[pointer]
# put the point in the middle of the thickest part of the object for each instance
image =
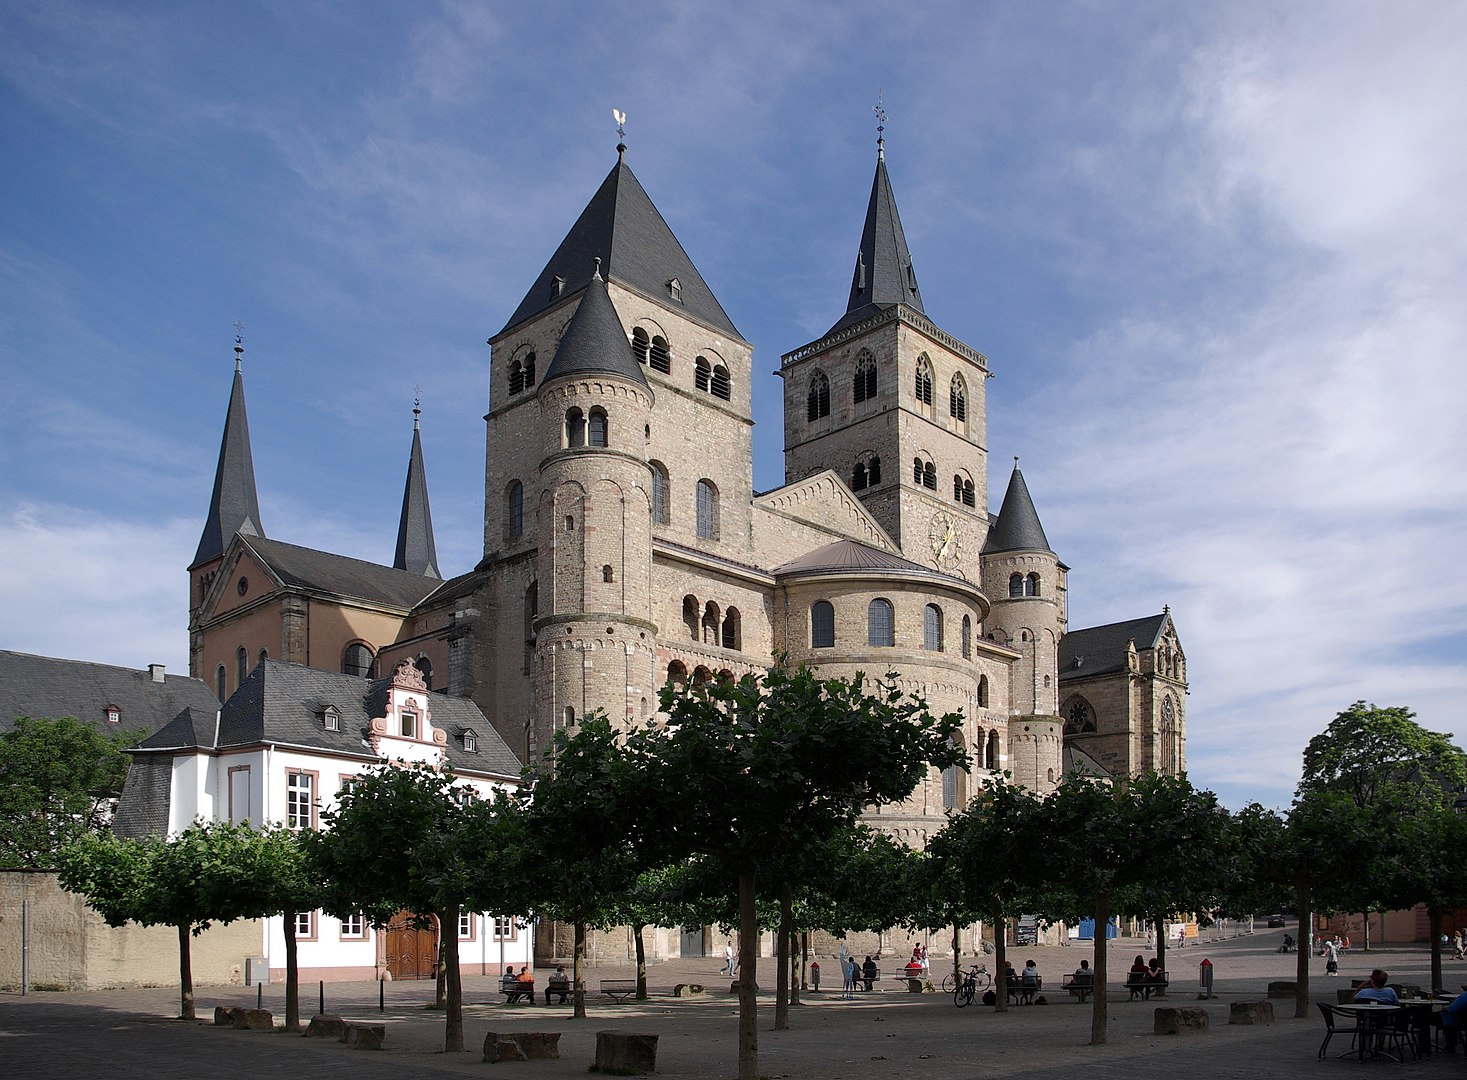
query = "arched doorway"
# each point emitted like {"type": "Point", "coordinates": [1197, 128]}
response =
{"type": "Point", "coordinates": [410, 951]}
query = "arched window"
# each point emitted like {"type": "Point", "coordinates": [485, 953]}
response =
{"type": "Point", "coordinates": [690, 616]}
{"type": "Point", "coordinates": [425, 669]}
{"type": "Point", "coordinates": [516, 377]}
{"type": "Point", "coordinates": [865, 380]}
{"type": "Point", "coordinates": [983, 691]}
{"type": "Point", "coordinates": [967, 643]}
{"type": "Point", "coordinates": [873, 472]}
{"type": "Point", "coordinates": [966, 497]}
{"type": "Point", "coordinates": [710, 623]}
{"type": "Point", "coordinates": [702, 373]}
{"type": "Point", "coordinates": [1079, 720]}
{"type": "Point", "coordinates": [641, 345]}
{"type": "Point", "coordinates": [264, 655]}
{"type": "Point", "coordinates": [957, 399]}
{"type": "Point", "coordinates": [922, 384]}
{"type": "Point", "coordinates": [241, 665]}
{"type": "Point", "coordinates": [990, 757]}
{"type": "Point", "coordinates": [952, 777]}
{"type": "Point", "coordinates": [702, 676]}
{"type": "Point", "coordinates": [731, 635]}
{"type": "Point", "coordinates": [221, 690]}
{"type": "Point", "coordinates": [817, 404]}
{"type": "Point", "coordinates": [1016, 585]}
{"type": "Point", "coordinates": [929, 476]}
{"type": "Point", "coordinates": [822, 625]}
{"type": "Point", "coordinates": [597, 428]}
{"type": "Point", "coordinates": [357, 660]}
{"type": "Point", "coordinates": [659, 493]}
{"type": "Point", "coordinates": [932, 628]}
{"type": "Point", "coordinates": [677, 673]}
{"type": "Point", "coordinates": [515, 509]}
{"type": "Point", "coordinates": [529, 371]}
{"type": "Point", "coordinates": [660, 356]}
{"type": "Point", "coordinates": [1031, 585]}
{"type": "Point", "coordinates": [957, 488]}
{"type": "Point", "coordinates": [722, 384]}
{"type": "Point", "coordinates": [858, 477]}
{"type": "Point", "coordinates": [707, 510]}
{"type": "Point", "coordinates": [608, 575]}
{"type": "Point", "coordinates": [880, 625]}
{"type": "Point", "coordinates": [917, 471]}
{"type": "Point", "coordinates": [575, 428]}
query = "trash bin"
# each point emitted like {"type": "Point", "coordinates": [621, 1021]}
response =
{"type": "Point", "coordinates": [1204, 979]}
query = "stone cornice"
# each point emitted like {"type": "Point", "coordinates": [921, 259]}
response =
{"type": "Point", "coordinates": [896, 313]}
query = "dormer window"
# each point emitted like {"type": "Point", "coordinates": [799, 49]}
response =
{"type": "Point", "coordinates": [557, 286]}
{"type": "Point", "coordinates": [409, 726]}
{"type": "Point", "coordinates": [114, 714]}
{"type": "Point", "coordinates": [675, 290]}
{"type": "Point", "coordinates": [471, 741]}
{"type": "Point", "coordinates": [330, 719]}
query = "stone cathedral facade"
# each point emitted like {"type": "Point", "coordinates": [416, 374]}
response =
{"type": "Point", "coordinates": [625, 545]}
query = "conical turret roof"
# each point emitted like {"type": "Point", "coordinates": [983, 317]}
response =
{"type": "Point", "coordinates": [621, 227]}
{"type": "Point", "coordinates": [883, 275]}
{"type": "Point", "coordinates": [234, 507]}
{"type": "Point", "coordinates": [594, 342]}
{"type": "Point", "coordinates": [416, 552]}
{"type": "Point", "coordinates": [1017, 527]}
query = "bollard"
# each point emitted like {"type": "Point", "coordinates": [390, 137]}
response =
{"type": "Point", "coordinates": [381, 995]}
{"type": "Point", "coordinates": [1204, 979]}
{"type": "Point", "coordinates": [322, 1011]}
{"type": "Point", "coordinates": [259, 996]}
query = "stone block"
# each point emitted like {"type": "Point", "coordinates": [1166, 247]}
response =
{"type": "Point", "coordinates": [1250, 1012]}
{"type": "Point", "coordinates": [914, 986]}
{"type": "Point", "coordinates": [522, 1046]}
{"type": "Point", "coordinates": [325, 1026]}
{"type": "Point", "coordinates": [253, 1020]}
{"type": "Point", "coordinates": [688, 990]}
{"type": "Point", "coordinates": [733, 987]}
{"type": "Point", "coordinates": [223, 1016]}
{"type": "Point", "coordinates": [364, 1036]}
{"type": "Point", "coordinates": [1285, 989]}
{"type": "Point", "coordinates": [1173, 1020]}
{"type": "Point", "coordinates": [625, 1054]}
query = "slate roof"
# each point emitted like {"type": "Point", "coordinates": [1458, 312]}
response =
{"type": "Point", "coordinates": [281, 703]}
{"type": "Point", "coordinates": [416, 552]}
{"type": "Point", "coordinates": [47, 687]}
{"type": "Point", "coordinates": [883, 275]}
{"type": "Point", "coordinates": [337, 575]}
{"type": "Point", "coordinates": [854, 557]}
{"type": "Point", "coordinates": [1101, 650]}
{"type": "Point", "coordinates": [594, 342]}
{"type": "Point", "coordinates": [1017, 526]}
{"type": "Point", "coordinates": [234, 507]}
{"type": "Point", "coordinates": [622, 228]}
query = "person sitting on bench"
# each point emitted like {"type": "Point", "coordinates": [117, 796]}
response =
{"type": "Point", "coordinates": [557, 984]}
{"type": "Point", "coordinates": [509, 985]}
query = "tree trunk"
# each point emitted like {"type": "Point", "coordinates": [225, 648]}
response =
{"type": "Point", "coordinates": [1306, 949]}
{"type": "Point", "coordinates": [782, 960]}
{"type": "Point", "coordinates": [804, 959]}
{"type": "Point", "coordinates": [578, 969]}
{"type": "Point", "coordinates": [1436, 947]}
{"type": "Point", "coordinates": [748, 976]}
{"type": "Point", "coordinates": [796, 966]}
{"type": "Point", "coordinates": [958, 953]}
{"type": "Point", "coordinates": [1000, 964]}
{"type": "Point", "coordinates": [641, 949]}
{"type": "Point", "coordinates": [292, 976]}
{"type": "Point", "coordinates": [453, 1027]}
{"type": "Point", "coordinates": [1365, 930]}
{"type": "Point", "coordinates": [1160, 950]}
{"type": "Point", "coordinates": [185, 973]}
{"type": "Point", "coordinates": [440, 969]}
{"type": "Point", "coordinates": [1100, 1012]}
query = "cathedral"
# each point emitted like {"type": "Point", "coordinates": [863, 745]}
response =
{"type": "Point", "coordinates": [625, 546]}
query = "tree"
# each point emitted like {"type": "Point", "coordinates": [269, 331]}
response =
{"type": "Point", "coordinates": [781, 764]}
{"type": "Point", "coordinates": [59, 779]}
{"type": "Point", "coordinates": [276, 878]}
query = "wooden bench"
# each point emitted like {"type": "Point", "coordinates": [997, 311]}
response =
{"type": "Point", "coordinates": [619, 989]}
{"type": "Point", "coordinates": [1081, 990]}
{"type": "Point", "coordinates": [1142, 988]}
{"type": "Point", "coordinates": [1022, 993]}
{"type": "Point", "coordinates": [518, 993]}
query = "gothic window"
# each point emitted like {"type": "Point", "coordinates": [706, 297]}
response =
{"type": "Point", "coordinates": [659, 356]}
{"type": "Point", "coordinates": [1031, 585]}
{"type": "Point", "coordinates": [707, 510]}
{"type": "Point", "coordinates": [241, 665]}
{"type": "Point", "coordinates": [957, 400]}
{"type": "Point", "coordinates": [865, 381]}
{"type": "Point", "coordinates": [922, 386]}
{"type": "Point", "coordinates": [641, 346]}
{"type": "Point", "coordinates": [220, 689]}
{"type": "Point", "coordinates": [822, 625]}
{"type": "Point", "coordinates": [659, 493]}
{"type": "Point", "coordinates": [880, 624]}
{"type": "Point", "coordinates": [597, 428]}
{"type": "Point", "coordinates": [967, 642]}
{"type": "Point", "coordinates": [690, 616]}
{"type": "Point", "coordinates": [1016, 585]}
{"type": "Point", "coordinates": [722, 386]}
{"type": "Point", "coordinates": [932, 628]}
{"type": "Point", "coordinates": [575, 428]}
{"type": "Point", "coordinates": [1079, 720]}
{"type": "Point", "coordinates": [731, 637]}
{"type": "Point", "coordinates": [818, 403]}
{"type": "Point", "coordinates": [264, 655]}
{"type": "Point", "coordinates": [515, 518]}
{"type": "Point", "coordinates": [357, 660]}
{"type": "Point", "coordinates": [702, 373]}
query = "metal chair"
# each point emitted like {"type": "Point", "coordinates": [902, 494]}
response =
{"type": "Point", "coordinates": [1329, 1012]}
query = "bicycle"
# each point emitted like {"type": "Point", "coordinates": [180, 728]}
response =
{"type": "Point", "coordinates": [973, 983]}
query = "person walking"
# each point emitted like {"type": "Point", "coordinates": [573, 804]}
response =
{"type": "Point", "coordinates": [848, 978]}
{"type": "Point", "coordinates": [728, 959]}
{"type": "Point", "coordinates": [1331, 958]}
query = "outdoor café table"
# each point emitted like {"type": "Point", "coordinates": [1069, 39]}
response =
{"type": "Point", "coordinates": [1371, 1017]}
{"type": "Point", "coordinates": [1421, 1010]}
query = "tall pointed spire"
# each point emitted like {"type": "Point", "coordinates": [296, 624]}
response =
{"type": "Point", "coordinates": [1017, 527]}
{"type": "Point", "coordinates": [883, 275]}
{"type": "Point", "coordinates": [234, 508]}
{"type": "Point", "coordinates": [594, 342]}
{"type": "Point", "coordinates": [416, 552]}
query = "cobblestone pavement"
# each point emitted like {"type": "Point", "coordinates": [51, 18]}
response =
{"type": "Point", "coordinates": [885, 1034]}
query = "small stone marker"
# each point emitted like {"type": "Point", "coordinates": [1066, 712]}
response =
{"type": "Point", "coordinates": [522, 1046]}
{"type": "Point", "coordinates": [625, 1054]}
{"type": "Point", "coordinates": [364, 1036]}
{"type": "Point", "coordinates": [325, 1026]}
{"type": "Point", "coordinates": [688, 990]}
{"type": "Point", "coordinates": [1282, 989]}
{"type": "Point", "coordinates": [253, 1020]}
{"type": "Point", "coordinates": [1173, 1020]}
{"type": "Point", "coordinates": [223, 1016]}
{"type": "Point", "coordinates": [1250, 1012]}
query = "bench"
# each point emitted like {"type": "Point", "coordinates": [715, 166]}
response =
{"type": "Point", "coordinates": [524, 993]}
{"type": "Point", "coordinates": [1081, 990]}
{"type": "Point", "coordinates": [618, 989]}
{"type": "Point", "coordinates": [1143, 987]}
{"type": "Point", "coordinates": [865, 983]}
{"type": "Point", "coordinates": [1022, 993]}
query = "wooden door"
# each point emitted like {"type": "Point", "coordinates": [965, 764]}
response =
{"type": "Point", "coordinates": [410, 952]}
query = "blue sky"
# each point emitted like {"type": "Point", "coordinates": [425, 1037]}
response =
{"type": "Point", "coordinates": [1215, 253]}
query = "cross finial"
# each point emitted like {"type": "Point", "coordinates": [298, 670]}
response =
{"type": "Point", "coordinates": [621, 131]}
{"type": "Point", "coordinates": [239, 329]}
{"type": "Point", "coordinates": [880, 112]}
{"type": "Point", "coordinates": [417, 405]}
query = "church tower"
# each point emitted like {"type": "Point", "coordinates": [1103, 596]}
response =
{"type": "Point", "coordinates": [416, 552]}
{"type": "Point", "coordinates": [893, 405]}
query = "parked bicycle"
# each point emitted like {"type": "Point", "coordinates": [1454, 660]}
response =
{"type": "Point", "coordinates": [973, 983]}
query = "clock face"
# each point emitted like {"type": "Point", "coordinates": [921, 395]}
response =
{"type": "Point", "coordinates": [947, 544]}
